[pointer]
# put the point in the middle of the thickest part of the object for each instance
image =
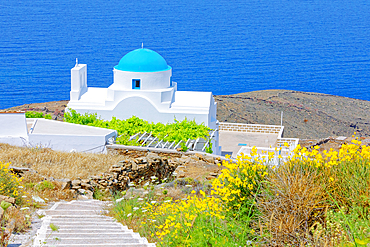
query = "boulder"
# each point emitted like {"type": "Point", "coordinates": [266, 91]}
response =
{"type": "Point", "coordinates": [209, 159]}
{"type": "Point", "coordinates": [86, 186]}
{"type": "Point", "coordinates": [63, 183]}
{"type": "Point", "coordinates": [213, 174]}
{"type": "Point", "coordinates": [76, 182]}
{"type": "Point", "coordinates": [86, 181]}
{"type": "Point", "coordinates": [84, 194]}
{"type": "Point", "coordinates": [7, 199]}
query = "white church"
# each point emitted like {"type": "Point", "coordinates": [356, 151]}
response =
{"type": "Point", "coordinates": [142, 87]}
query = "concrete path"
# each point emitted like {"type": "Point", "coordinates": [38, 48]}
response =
{"type": "Point", "coordinates": [81, 223]}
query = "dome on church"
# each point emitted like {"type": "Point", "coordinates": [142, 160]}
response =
{"type": "Point", "coordinates": [142, 60]}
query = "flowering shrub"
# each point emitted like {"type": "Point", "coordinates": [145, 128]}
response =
{"type": "Point", "coordinates": [294, 206]}
{"type": "Point", "coordinates": [10, 184]}
{"type": "Point", "coordinates": [172, 222]}
{"type": "Point", "coordinates": [314, 198]}
{"type": "Point", "coordinates": [240, 181]}
{"type": "Point", "coordinates": [352, 152]}
{"type": "Point", "coordinates": [345, 175]}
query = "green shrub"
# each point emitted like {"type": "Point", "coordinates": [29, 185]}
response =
{"type": "Point", "coordinates": [45, 185]}
{"type": "Point", "coordinates": [35, 114]}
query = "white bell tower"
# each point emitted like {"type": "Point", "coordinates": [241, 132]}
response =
{"type": "Point", "coordinates": [78, 81]}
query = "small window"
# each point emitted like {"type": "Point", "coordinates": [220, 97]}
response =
{"type": "Point", "coordinates": [135, 83]}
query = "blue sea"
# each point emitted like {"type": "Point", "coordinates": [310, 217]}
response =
{"type": "Point", "coordinates": [221, 46]}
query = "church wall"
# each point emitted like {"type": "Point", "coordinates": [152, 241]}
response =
{"type": "Point", "coordinates": [144, 108]}
{"type": "Point", "coordinates": [166, 96]}
{"type": "Point", "coordinates": [148, 80]}
{"type": "Point", "coordinates": [160, 99]}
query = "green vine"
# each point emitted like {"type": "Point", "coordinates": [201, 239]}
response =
{"type": "Point", "coordinates": [171, 132]}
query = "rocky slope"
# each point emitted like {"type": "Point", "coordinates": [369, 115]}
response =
{"type": "Point", "coordinates": [305, 115]}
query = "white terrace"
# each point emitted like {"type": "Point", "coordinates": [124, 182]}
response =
{"type": "Point", "coordinates": [237, 138]}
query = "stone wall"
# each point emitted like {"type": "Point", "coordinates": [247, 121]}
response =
{"type": "Point", "coordinates": [137, 167]}
{"type": "Point", "coordinates": [136, 170]}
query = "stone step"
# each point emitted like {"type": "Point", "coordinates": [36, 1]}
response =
{"type": "Point", "coordinates": [105, 234]}
{"type": "Point", "coordinates": [105, 245]}
{"type": "Point", "coordinates": [76, 217]}
{"type": "Point", "coordinates": [85, 204]}
{"type": "Point", "coordinates": [73, 212]}
{"type": "Point", "coordinates": [78, 222]}
{"type": "Point", "coordinates": [82, 224]}
{"type": "Point", "coordinates": [76, 207]}
{"type": "Point", "coordinates": [72, 223]}
{"type": "Point", "coordinates": [97, 240]}
{"type": "Point", "coordinates": [96, 227]}
{"type": "Point", "coordinates": [89, 231]}
{"type": "Point", "coordinates": [81, 221]}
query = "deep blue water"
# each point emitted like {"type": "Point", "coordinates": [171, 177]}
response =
{"type": "Point", "coordinates": [212, 45]}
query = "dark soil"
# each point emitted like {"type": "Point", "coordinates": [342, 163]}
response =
{"type": "Point", "coordinates": [54, 108]}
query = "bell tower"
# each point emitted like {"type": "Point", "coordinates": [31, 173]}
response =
{"type": "Point", "coordinates": [78, 81]}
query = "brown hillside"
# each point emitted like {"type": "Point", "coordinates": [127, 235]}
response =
{"type": "Point", "coordinates": [305, 115]}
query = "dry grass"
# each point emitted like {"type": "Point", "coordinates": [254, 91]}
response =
{"type": "Point", "coordinates": [291, 205]}
{"type": "Point", "coordinates": [35, 185]}
{"type": "Point", "coordinates": [58, 164]}
{"type": "Point", "coordinates": [22, 222]}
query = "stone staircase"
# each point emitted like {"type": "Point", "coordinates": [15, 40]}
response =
{"type": "Point", "coordinates": [81, 223]}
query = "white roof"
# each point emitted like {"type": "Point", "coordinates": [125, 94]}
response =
{"type": "Point", "coordinates": [45, 126]}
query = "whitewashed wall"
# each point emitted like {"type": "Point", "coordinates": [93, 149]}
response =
{"type": "Point", "coordinates": [13, 128]}
{"type": "Point", "coordinates": [148, 80]}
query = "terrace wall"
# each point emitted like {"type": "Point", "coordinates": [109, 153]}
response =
{"type": "Point", "coordinates": [252, 128]}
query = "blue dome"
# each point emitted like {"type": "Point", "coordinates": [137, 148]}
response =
{"type": "Point", "coordinates": [142, 60]}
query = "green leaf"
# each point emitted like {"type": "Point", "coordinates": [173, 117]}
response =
{"type": "Point", "coordinates": [362, 241]}
{"type": "Point", "coordinates": [53, 227]}
{"type": "Point", "coordinates": [4, 205]}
